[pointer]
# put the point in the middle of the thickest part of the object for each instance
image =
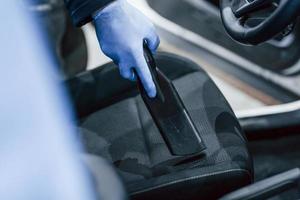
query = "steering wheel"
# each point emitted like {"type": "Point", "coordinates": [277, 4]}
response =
{"type": "Point", "coordinates": [235, 13]}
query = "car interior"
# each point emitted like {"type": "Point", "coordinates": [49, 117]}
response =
{"type": "Point", "coordinates": [246, 155]}
{"type": "Point", "coordinates": [273, 65]}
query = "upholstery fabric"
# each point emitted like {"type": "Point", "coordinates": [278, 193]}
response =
{"type": "Point", "coordinates": [120, 129]}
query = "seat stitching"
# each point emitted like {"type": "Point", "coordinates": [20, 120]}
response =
{"type": "Point", "coordinates": [190, 179]}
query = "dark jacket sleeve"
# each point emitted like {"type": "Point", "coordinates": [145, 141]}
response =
{"type": "Point", "coordinates": [81, 10]}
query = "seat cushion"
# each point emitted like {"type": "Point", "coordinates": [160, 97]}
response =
{"type": "Point", "coordinates": [115, 124]}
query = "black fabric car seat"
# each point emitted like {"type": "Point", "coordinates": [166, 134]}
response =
{"type": "Point", "coordinates": [115, 124]}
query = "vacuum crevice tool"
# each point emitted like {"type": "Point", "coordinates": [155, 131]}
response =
{"type": "Point", "coordinates": [169, 113]}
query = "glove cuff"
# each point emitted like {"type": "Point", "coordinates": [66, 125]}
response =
{"type": "Point", "coordinates": [111, 6]}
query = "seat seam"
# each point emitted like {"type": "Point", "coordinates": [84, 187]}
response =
{"type": "Point", "coordinates": [190, 179]}
{"type": "Point", "coordinates": [143, 129]}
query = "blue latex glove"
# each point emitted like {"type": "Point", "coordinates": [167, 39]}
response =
{"type": "Point", "coordinates": [121, 31]}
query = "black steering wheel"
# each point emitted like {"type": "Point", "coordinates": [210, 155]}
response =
{"type": "Point", "coordinates": [235, 13]}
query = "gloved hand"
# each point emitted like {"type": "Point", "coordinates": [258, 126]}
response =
{"type": "Point", "coordinates": [121, 31]}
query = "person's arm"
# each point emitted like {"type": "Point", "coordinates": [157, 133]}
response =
{"type": "Point", "coordinates": [82, 11]}
{"type": "Point", "coordinates": [121, 30]}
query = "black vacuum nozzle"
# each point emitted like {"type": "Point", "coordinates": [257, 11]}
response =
{"type": "Point", "coordinates": [170, 114]}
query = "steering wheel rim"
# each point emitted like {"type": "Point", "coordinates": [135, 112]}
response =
{"type": "Point", "coordinates": [286, 12]}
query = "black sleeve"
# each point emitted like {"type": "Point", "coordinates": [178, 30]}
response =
{"type": "Point", "coordinates": [81, 10]}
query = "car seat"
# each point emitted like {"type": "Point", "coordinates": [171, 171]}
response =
{"type": "Point", "coordinates": [115, 124]}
